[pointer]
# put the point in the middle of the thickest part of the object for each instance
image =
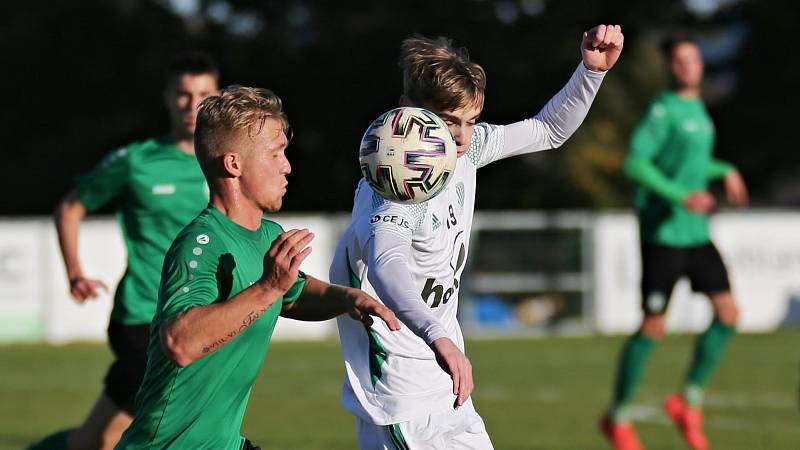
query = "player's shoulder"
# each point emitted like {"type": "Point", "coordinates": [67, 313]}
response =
{"type": "Point", "coordinates": [130, 152]}
{"type": "Point", "coordinates": [661, 104]}
{"type": "Point", "coordinates": [375, 211]}
{"type": "Point", "coordinates": [202, 235]}
{"type": "Point", "coordinates": [479, 140]}
{"type": "Point", "coordinates": [150, 148]}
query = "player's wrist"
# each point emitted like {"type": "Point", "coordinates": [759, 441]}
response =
{"type": "Point", "coordinates": [267, 292]}
{"type": "Point", "coordinates": [75, 278]}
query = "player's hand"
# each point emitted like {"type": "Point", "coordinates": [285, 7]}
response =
{"type": "Point", "coordinates": [456, 364]}
{"type": "Point", "coordinates": [736, 189]}
{"type": "Point", "coordinates": [361, 306]}
{"type": "Point", "coordinates": [82, 289]}
{"type": "Point", "coordinates": [282, 261]}
{"type": "Point", "coordinates": [602, 46]}
{"type": "Point", "coordinates": [700, 202]}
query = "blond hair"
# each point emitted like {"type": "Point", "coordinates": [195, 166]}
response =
{"type": "Point", "coordinates": [440, 76]}
{"type": "Point", "coordinates": [222, 117]}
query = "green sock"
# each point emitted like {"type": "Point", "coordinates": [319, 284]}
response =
{"type": "Point", "coordinates": [630, 372]}
{"type": "Point", "coordinates": [56, 441]}
{"type": "Point", "coordinates": [708, 352]}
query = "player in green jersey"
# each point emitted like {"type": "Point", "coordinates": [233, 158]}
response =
{"type": "Point", "coordinates": [227, 277]}
{"type": "Point", "coordinates": [671, 161]}
{"type": "Point", "coordinates": [156, 187]}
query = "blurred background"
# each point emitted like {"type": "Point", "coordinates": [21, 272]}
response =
{"type": "Point", "coordinates": [85, 76]}
{"type": "Point", "coordinates": [555, 247]}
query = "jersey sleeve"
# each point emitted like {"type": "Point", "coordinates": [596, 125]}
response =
{"type": "Point", "coordinates": [646, 142]}
{"type": "Point", "coordinates": [296, 290]}
{"type": "Point", "coordinates": [194, 274]}
{"type": "Point", "coordinates": [388, 217]}
{"type": "Point", "coordinates": [719, 169]}
{"type": "Point", "coordinates": [106, 181]}
{"type": "Point", "coordinates": [549, 128]}
{"type": "Point", "coordinates": [390, 277]}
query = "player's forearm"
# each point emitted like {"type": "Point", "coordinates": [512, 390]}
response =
{"type": "Point", "coordinates": [68, 217]}
{"type": "Point", "coordinates": [319, 301]}
{"type": "Point", "coordinates": [564, 113]}
{"type": "Point", "coordinates": [648, 175]}
{"type": "Point", "coordinates": [391, 279]}
{"type": "Point", "coordinates": [202, 330]}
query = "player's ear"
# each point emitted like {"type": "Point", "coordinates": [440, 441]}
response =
{"type": "Point", "coordinates": [232, 164]}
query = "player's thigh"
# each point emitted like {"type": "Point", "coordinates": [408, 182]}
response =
{"type": "Point", "coordinates": [707, 271]}
{"type": "Point", "coordinates": [378, 437]}
{"type": "Point", "coordinates": [474, 436]}
{"type": "Point", "coordinates": [129, 344]}
{"type": "Point", "coordinates": [662, 266]}
{"type": "Point", "coordinates": [449, 429]}
{"type": "Point", "coordinates": [102, 428]}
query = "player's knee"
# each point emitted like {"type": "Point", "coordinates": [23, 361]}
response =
{"type": "Point", "coordinates": [654, 327]}
{"type": "Point", "coordinates": [108, 440]}
{"type": "Point", "coordinates": [729, 315]}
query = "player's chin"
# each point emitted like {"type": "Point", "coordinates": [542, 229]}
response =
{"type": "Point", "coordinates": [462, 150]}
{"type": "Point", "coordinates": [274, 205]}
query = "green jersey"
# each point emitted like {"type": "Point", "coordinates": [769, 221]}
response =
{"type": "Point", "coordinates": [156, 190]}
{"type": "Point", "coordinates": [201, 406]}
{"type": "Point", "coordinates": [671, 157]}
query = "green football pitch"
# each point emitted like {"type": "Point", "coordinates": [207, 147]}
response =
{"type": "Point", "coordinates": [544, 393]}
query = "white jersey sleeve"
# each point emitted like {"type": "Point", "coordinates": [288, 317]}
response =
{"type": "Point", "coordinates": [550, 128]}
{"type": "Point", "coordinates": [388, 246]}
{"type": "Point", "coordinates": [390, 277]}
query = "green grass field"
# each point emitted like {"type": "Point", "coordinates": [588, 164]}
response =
{"type": "Point", "coordinates": [533, 394]}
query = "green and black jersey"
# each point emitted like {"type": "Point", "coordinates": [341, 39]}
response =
{"type": "Point", "coordinates": [202, 405]}
{"type": "Point", "coordinates": [156, 189]}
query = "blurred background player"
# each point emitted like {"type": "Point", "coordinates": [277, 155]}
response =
{"type": "Point", "coordinates": [671, 161]}
{"type": "Point", "coordinates": [226, 278]}
{"type": "Point", "coordinates": [156, 188]}
{"type": "Point", "coordinates": [411, 389]}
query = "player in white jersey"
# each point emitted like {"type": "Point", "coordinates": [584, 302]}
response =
{"type": "Point", "coordinates": [410, 388]}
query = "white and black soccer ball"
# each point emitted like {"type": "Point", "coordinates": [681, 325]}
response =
{"type": "Point", "coordinates": [408, 155]}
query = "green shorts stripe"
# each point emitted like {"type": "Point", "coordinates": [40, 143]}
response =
{"type": "Point", "coordinates": [397, 437]}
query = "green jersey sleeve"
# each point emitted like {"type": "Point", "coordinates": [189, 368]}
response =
{"type": "Point", "coordinates": [106, 181]}
{"type": "Point", "coordinates": [719, 169]}
{"type": "Point", "coordinates": [194, 274]}
{"type": "Point", "coordinates": [296, 290]}
{"type": "Point", "coordinates": [646, 142]}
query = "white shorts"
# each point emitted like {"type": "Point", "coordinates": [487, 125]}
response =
{"type": "Point", "coordinates": [460, 428]}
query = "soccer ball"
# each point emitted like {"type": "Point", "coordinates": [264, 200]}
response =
{"type": "Point", "coordinates": [408, 155]}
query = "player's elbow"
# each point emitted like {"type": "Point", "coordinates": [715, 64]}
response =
{"type": "Point", "coordinates": [173, 346]}
{"type": "Point", "coordinates": [631, 168]}
{"type": "Point", "coordinates": [69, 209]}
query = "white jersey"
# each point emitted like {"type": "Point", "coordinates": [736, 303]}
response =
{"type": "Point", "coordinates": [411, 258]}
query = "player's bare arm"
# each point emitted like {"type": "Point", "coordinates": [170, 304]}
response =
{"type": "Point", "coordinates": [202, 330]}
{"type": "Point", "coordinates": [323, 301]}
{"type": "Point", "coordinates": [68, 217]}
{"type": "Point", "coordinates": [453, 361]}
{"type": "Point", "coordinates": [736, 189]}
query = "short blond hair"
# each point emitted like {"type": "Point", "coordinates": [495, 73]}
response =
{"type": "Point", "coordinates": [440, 76]}
{"type": "Point", "coordinates": [235, 109]}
